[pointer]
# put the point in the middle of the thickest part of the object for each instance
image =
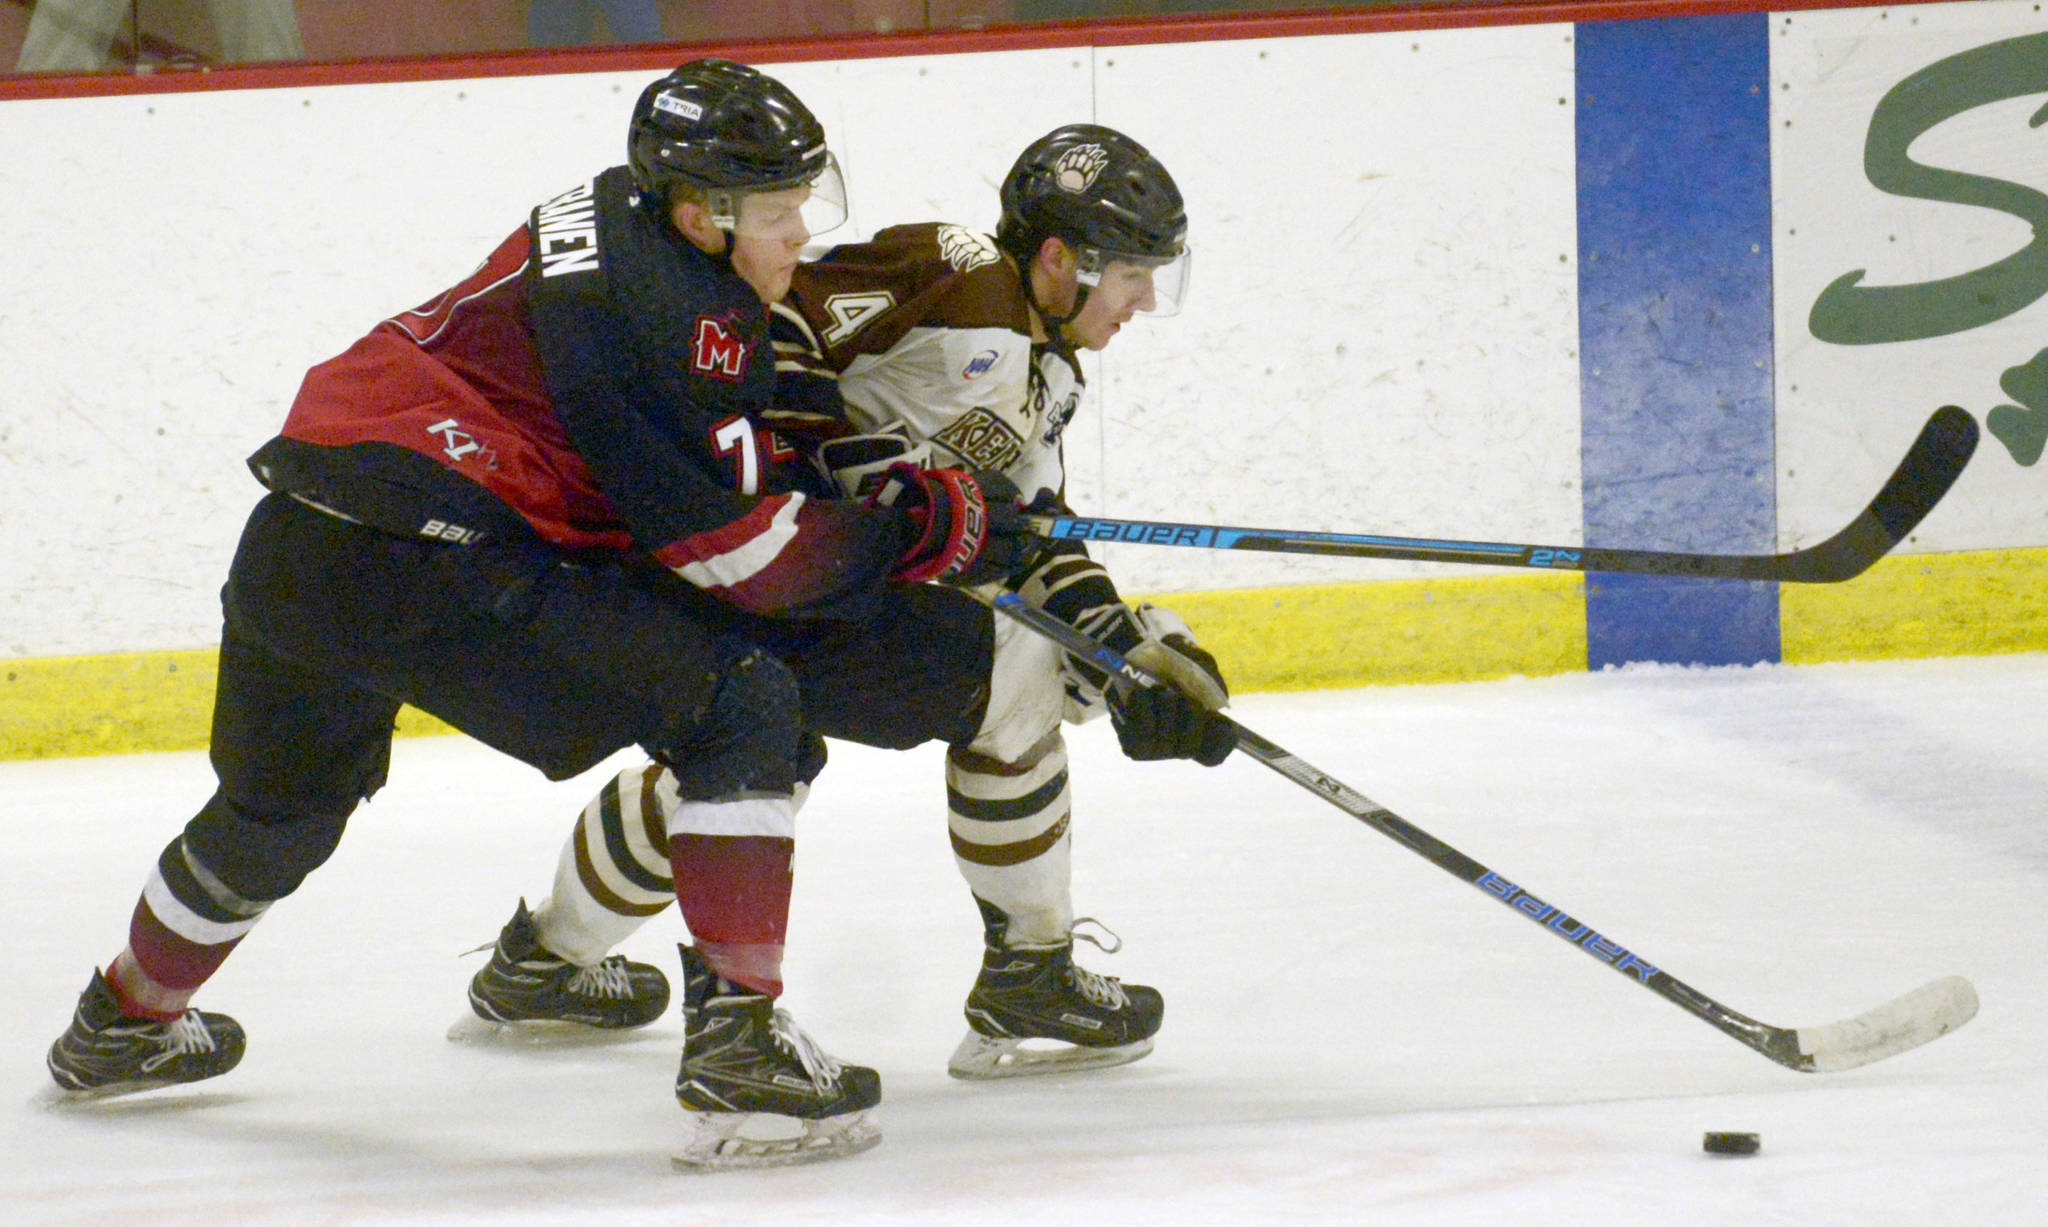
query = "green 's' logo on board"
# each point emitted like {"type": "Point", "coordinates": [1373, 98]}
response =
{"type": "Point", "coordinates": [1851, 313]}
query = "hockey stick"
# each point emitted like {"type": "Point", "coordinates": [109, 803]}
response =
{"type": "Point", "coordinates": [1904, 1023]}
{"type": "Point", "coordinates": [1930, 467]}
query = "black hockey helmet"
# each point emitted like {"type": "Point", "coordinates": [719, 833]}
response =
{"type": "Point", "coordinates": [728, 130]}
{"type": "Point", "coordinates": [1106, 196]}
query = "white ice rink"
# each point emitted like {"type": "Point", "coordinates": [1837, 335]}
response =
{"type": "Point", "coordinates": [1352, 1035]}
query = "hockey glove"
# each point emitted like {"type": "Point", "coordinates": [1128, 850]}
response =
{"type": "Point", "coordinates": [1169, 650]}
{"type": "Point", "coordinates": [969, 528]}
{"type": "Point", "coordinates": [1177, 718]}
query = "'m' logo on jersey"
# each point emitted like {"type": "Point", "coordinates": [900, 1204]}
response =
{"type": "Point", "coordinates": [980, 364]}
{"type": "Point", "coordinates": [1076, 170]}
{"type": "Point", "coordinates": [982, 440]}
{"type": "Point", "coordinates": [719, 349]}
{"type": "Point", "coordinates": [966, 250]}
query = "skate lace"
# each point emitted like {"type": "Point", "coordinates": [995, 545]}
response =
{"type": "Point", "coordinates": [1075, 933]}
{"type": "Point", "coordinates": [607, 978]}
{"type": "Point", "coordinates": [187, 1035]}
{"type": "Point", "coordinates": [819, 1066]}
{"type": "Point", "coordinates": [1105, 991]}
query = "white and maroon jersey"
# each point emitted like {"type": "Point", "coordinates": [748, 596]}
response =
{"type": "Point", "coordinates": [926, 331]}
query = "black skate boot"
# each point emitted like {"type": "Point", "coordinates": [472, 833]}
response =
{"type": "Point", "coordinates": [1034, 1011]}
{"type": "Point", "coordinates": [104, 1053]}
{"type": "Point", "coordinates": [526, 986]}
{"type": "Point", "coordinates": [758, 1091]}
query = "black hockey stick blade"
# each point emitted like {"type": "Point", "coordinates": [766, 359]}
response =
{"type": "Point", "coordinates": [1930, 467]}
{"type": "Point", "coordinates": [1904, 1023]}
{"type": "Point", "coordinates": [1937, 457]}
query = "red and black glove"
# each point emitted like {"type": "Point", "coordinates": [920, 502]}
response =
{"type": "Point", "coordinates": [970, 529]}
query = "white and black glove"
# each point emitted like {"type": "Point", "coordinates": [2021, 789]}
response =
{"type": "Point", "coordinates": [858, 464]}
{"type": "Point", "coordinates": [1180, 717]}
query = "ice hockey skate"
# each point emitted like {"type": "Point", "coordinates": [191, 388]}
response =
{"type": "Point", "coordinates": [529, 993]}
{"type": "Point", "coordinates": [1033, 1010]}
{"type": "Point", "coordinates": [758, 1091]}
{"type": "Point", "coordinates": [104, 1053]}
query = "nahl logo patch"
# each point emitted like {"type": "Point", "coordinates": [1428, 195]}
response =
{"type": "Point", "coordinates": [967, 250]}
{"type": "Point", "coordinates": [1077, 168]}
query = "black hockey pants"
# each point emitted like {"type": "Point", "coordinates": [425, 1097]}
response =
{"type": "Point", "coordinates": [329, 627]}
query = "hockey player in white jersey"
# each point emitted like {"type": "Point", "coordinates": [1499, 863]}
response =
{"type": "Point", "coordinates": [951, 349]}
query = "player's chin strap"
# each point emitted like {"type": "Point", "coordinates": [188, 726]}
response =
{"type": "Point", "coordinates": [722, 257]}
{"type": "Point", "coordinates": [1054, 324]}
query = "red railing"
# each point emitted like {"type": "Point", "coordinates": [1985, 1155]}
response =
{"type": "Point", "coordinates": [170, 45]}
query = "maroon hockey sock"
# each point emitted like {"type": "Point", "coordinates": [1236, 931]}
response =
{"type": "Point", "coordinates": [734, 892]}
{"type": "Point", "coordinates": [138, 996]}
{"type": "Point", "coordinates": [156, 975]}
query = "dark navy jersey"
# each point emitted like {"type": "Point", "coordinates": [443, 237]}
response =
{"type": "Point", "coordinates": [600, 383]}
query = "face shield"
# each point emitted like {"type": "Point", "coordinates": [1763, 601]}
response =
{"type": "Point", "coordinates": [786, 215]}
{"type": "Point", "coordinates": [1164, 282]}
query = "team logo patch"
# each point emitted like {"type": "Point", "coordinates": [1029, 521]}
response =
{"type": "Point", "coordinates": [979, 364]}
{"type": "Point", "coordinates": [982, 440]}
{"type": "Point", "coordinates": [718, 348]}
{"type": "Point", "coordinates": [1077, 168]}
{"type": "Point", "coordinates": [1056, 415]}
{"type": "Point", "coordinates": [678, 106]}
{"type": "Point", "coordinates": [459, 445]}
{"type": "Point", "coordinates": [966, 250]}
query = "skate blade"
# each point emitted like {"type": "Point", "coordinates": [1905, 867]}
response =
{"type": "Point", "coordinates": [981, 1058]}
{"type": "Point", "coordinates": [728, 1141]}
{"type": "Point", "coordinates": [63, 1098]}
{"type": "Point", "coordinates": [540, 1033]}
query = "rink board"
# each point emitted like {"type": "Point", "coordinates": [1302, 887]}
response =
{"type": "Point", "coordinates": [1389, 330]}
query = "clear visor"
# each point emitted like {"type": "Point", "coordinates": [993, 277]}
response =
{"type": "Point", "coordinates": [787, 215]}
{"type": "Point", "coordinates": [1159, 287]}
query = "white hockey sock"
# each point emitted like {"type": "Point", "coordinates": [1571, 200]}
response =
{"type": "Point", "coordinates": [613, 873]}
{"type": "Point", "coordinates": [1009, 822]}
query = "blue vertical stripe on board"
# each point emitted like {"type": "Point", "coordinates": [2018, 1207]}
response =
{"type": "Point", "coordinates": [1675, 354]}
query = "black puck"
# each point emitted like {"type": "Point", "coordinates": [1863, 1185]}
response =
{"type": "Point", "coordinates": [1731, 1143]}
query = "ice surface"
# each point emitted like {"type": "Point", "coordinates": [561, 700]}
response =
{"type": "Point", "coordinates": [1352, 1035]}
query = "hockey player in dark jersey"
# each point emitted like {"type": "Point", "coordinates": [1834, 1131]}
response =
{"type": "Point", "coordinates": [956, 349]}
{"type": "Point", "coordinates": [548, 507]}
